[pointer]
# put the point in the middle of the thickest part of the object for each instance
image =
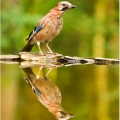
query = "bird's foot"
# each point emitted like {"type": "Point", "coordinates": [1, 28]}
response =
{"type": "Point", "coordinates": [41, 53]}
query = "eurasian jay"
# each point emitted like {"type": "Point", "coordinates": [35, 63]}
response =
{"type": "Point", "coordinates": [48, 27]}
{"type": "Point", "coordinates": [47, 93]}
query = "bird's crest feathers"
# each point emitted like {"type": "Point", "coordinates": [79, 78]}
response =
{"type": "Point", "coordinates": [63, 115]}
{"type": "Point", "coordinates": [64, 5]}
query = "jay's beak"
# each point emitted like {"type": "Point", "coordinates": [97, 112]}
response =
{"type": "Point", "coordinates": [70, 116]}
{"type": "Point", "coordinates": [73, 6]}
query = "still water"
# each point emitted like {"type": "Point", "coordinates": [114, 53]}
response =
{"type": "Point", "coordinates": [88, 92]}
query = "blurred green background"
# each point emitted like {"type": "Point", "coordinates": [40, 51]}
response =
{"type": "Point", "coordinates": [91, 30]}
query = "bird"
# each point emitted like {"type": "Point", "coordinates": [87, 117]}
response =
{"type": "Point", "coordinates": [48, 27]}
{"type": "Point", "coordinates": [47, 93]}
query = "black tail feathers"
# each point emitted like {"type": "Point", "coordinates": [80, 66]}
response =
{"type": "Point", "coordinates": [27, 48]}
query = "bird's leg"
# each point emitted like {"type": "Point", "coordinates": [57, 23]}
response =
{"type": "Point", "coordinates": [50, 51]}
{"type": "Point", "coordinates": [48, 71]}
{"type": "Point", "coordinates": [40, 51]}
{"type": "Point", "coordinates": [38, 75]}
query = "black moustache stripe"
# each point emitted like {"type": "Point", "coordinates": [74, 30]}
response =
{"type": "Point", "coordinates": [64, 8]}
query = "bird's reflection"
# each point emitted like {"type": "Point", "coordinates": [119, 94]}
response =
{"type": "Point", "coordinates": [47, 93]}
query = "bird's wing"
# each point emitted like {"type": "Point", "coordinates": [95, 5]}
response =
{"type": "Point", "coordinates": [37, 92]}
{"type": "Point", "coordinates": [34, 32]}
{"type": "Point", "coordinates": [34, 88]}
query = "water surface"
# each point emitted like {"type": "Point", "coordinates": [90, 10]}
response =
{"type": "Point", "coordinates": [89, 92]}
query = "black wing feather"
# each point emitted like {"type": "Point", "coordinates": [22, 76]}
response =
{"type": "Point", "coordinates": [34, 32]}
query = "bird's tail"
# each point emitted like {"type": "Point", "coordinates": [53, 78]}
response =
{"type": "Point", "coordinates": [27, 48]}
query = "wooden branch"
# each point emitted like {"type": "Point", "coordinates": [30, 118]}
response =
{"type": "Point", "coordinates": [28, 59]}
{"type": "Point", "coordinates": [37, 57]}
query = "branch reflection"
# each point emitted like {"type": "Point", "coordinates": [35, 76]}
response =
{"type": "Point", "coordinates": [47, 93]}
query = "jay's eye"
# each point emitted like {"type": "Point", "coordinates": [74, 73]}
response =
{"type": "Point", "coordinates": [63, 4]}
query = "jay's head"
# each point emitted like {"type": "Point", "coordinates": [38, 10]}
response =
{"type": "Point", "coordinates": [61, 115]}
{"type": "Point", "coordinates": [64, 5]}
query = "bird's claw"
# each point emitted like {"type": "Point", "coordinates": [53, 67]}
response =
{"type": "Point", "coordinates": [51, 53]}
{"type": "Point", "coordinates": [42, 54]}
